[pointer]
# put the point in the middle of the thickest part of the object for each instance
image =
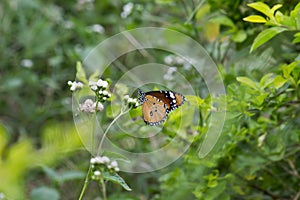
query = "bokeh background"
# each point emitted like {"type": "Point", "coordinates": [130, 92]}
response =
{"type": "Point", "coordinates": [41, 155]}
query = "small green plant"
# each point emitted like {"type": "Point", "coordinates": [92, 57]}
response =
{"type": "Point", "coordinates": [278, 21]}
{"type": "Point", "coordinates": [101, 169]}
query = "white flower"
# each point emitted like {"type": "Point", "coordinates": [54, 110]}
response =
{"type": "Point", "coordinates": [137, 104]}
{"type": "Point", "coordinates": [88, 106]}
{"type": "Point", "coordinates": [127, 9]}
{"type": "Point", "coordinates": [187, 66]}
{"type": "Point", "coordinates": [104, 98]}
{"type": "Point", "coordinates": [117, 169]}
{"type": "Point", "coordinates": [98, 28]}
{"type": "Point", "coordinates": [114, 164]}
{"type": "Point", "coordinates": [171, 70]}
{"type": "Point", "coordinates": [94, 87]}
{"type": "Point", "coordinates": [68, 24]}
{"type": "Point", "coordinates": [126, 97]}
{"type": "Point", "coordinates": [2, 196]}
{"type": "Point", "coordinates": [93, 161]}
{"type": "Point", "coordinates": [105, 159]}
{"type": "Point", "coordinates": [105, 93]}
{"type": "Point", "coordinates": [98, 160]}
{"type": "Point", "coordinates": [101, 83]}
{"type": "Point", "coordinates": [97, 173]}
{"type": "Point", "coordinates": [27, 63]}
{"type": "Point", "coordinates": [179, 60]}
{"type": "Point", "coordinates": [169, 59]}
{"type": "Point", "coordinates": [75, 85]}
{"type": "Point", "coordinates": [100, 106]}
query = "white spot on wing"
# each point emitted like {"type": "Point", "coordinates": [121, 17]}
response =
{"type": "Point", "coordinates": [172, 95]}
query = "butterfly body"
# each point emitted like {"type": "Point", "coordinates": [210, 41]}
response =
{"type": "Point", "coordinates": [156, 105]}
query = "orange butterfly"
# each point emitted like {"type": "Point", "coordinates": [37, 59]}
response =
{"type": "Point", "coordinates": [156, 105]}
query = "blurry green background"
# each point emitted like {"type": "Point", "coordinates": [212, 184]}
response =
{"type": "Point", "coordinates": [41, 156]}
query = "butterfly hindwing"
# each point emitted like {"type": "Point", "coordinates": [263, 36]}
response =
{"type": "Point", "coordinates": [154, 110]}
{"type": "Point", "coordinates": [157, 104]}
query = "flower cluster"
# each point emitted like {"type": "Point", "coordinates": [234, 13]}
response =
{"type": "Point", "coordinates": [99, 87]}
{"type": "Point", "coordinates": [177, 60]}
{"type": "Point", "coordinates": [127, 9]}
{"type": "Point", "coordinates": [75, 85]}
{"type": "Point", "coordinates": [100, 164]}
{"type": "Point", "coordinates": [89, 106]}
{"type": "Point", "coordinates": [131, 102]}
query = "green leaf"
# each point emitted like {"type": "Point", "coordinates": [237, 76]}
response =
{"type": "Point", "coordinates": [94, 76]}
{"type": "Point", "coordinates": [265, 36]}
{"type": "Point", "coordinates": [70, 175]}
{"type": "Point", "coordinates": [261, 7]}
{"type": "Point", "coordinates": [44, 193]}
{"type": "Point", "coordinates": [3, 138]}
{"type": "Point", "coordinates": [247, 81]}
{"type": "Point", "coordinates": [287, 69]}
{"type": "Point", "coordinates": [223, 20]}
{"type": "Point", "coordinates": [266, 80]}
{"type": "Point", "coordinates": [275, 7]}
{"type": "Point", "coordinates": [116, 179]}
{"type": "Point", "coordinates": [255, 19]}
{"type": "Point", "coordinates": [295, 16]}
{"type": "Point", "coordinates": [297, 38]}
{"type": "Point", "coordinates": [239, 36]}
{"type": "Point", "coordinates": [80, 73]}
{"type": "Point", "coordinates": [259, 100]}
{"type": "Point", "coordinates": [279, 81]}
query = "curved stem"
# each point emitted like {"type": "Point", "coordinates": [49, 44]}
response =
{"type": "Point", "coordinates": [123, 111]}
{"type": "Point", "coordinates": [86, 182]}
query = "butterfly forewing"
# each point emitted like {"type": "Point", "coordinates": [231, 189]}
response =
{"type": "Point", "coordinates": [172, 99]}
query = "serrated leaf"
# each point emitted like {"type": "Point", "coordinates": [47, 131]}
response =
{"type": "Point", "coordinates": [247, 81]}
{"type": "Point", "coordinates": [265, 36]}
{"type": "Point", "coordinates": [116, 179]}
{"type": "Point", "coordinates": [261, 7]}
{"type": "Point", "coordinates": [80, 73]}
{"type": "Point", "coordinates": [255, 19]}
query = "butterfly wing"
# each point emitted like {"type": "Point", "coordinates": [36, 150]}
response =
{"type": "Point", "coordinates": [172, 99]}
{"type": "Point", "coordinates": [157, 104]}
{"type": "Point", "coordinates": [154, 110]}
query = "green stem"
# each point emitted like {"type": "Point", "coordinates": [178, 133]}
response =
{"type": "Point", "coordinates": [86, 182]}
{"type": "Point", "coordinates": [103, 189]}
{"type": "Point", "coordinates": [123, 111]}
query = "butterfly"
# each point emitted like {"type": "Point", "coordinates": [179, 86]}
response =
{"type": "Point", "coordinates": [156, 105]}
